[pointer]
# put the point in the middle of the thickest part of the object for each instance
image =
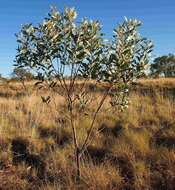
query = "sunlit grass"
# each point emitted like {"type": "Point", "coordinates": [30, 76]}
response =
{"type": "Point", "coordinates": [142, 137]}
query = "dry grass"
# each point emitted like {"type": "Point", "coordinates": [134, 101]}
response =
{"type": "Point", "coordinates": [134, 149]}
{"type": "Point", "coordinates": [161, 82]}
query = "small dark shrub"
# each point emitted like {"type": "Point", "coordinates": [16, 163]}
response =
{"type": "Point", "coordinates": [116, 130]}
{"type": "Point", "coordinates": [165, 137]}
{"type": "Point", "coordinates": [126, 169]}
{"type": "Point", "coordinates": [98, 155]}
{"type": "Point", "coordinates": [104, 129]}
{"type": "Point", "coordinates": [61, 137]}
{"type": "Point", "coordinates": [20, 153]}
{"type": "Point", "coordinates": [36, 162]}
{"type": "Point", "coordinates": [162, 176]}
{"type": "Point", "coordinates": [168, 142]}
{"type": "Point", "coordinates": [19, 150]}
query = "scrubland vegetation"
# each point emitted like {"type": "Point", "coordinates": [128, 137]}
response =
{"type": "Point", "coordinates": [86, 123]}
{"type": "Point", "coordinates": [133, 149]}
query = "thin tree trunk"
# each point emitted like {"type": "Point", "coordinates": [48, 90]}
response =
{"type": "Point", "coordinates": [76, 146]}
{"type": "Point", "coordinates": [78, 169]}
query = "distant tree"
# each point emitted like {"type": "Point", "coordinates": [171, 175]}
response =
{"type": "Point", "coordinates": [163, 66]}
{"type": "Point", "coordinates": [2, 78]}
{"type": "Point", "coordinates": [21, 74]}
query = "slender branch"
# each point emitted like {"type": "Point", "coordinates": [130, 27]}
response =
{"type": "Point", "coordinates": [71, 76]}
{"type": "Point", "coordinates": [85, 144]}
{"type": "Point", "coordinates": [72, 124]}
{"type": "Point", "coordinates": [74, 79]}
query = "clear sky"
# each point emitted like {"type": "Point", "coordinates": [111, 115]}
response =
{"type": "Point", "coordinates": [158, 17]}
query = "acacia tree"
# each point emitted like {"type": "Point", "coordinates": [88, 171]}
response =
{"type": "Point", "coordinates": [61, 47]}
{"type": "Point", "coordinates": [163, 65]}
{"type": "Point", "coordinates": [21, 74]}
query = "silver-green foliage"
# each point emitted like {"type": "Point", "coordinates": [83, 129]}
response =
{"type": "Point", "coordinates": [59, 46]}
{"type": "Point", "coordinates": [59, 42]}
{"type": "Point", "coordinates": [127, 57]}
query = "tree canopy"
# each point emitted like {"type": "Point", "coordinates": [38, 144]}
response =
{"type": "Point", "coordinates": [163, 66]}
{"type": "Point", "coordinates": [21, 74]}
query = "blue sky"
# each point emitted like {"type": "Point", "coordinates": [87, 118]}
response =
{"type": "Point", "coordinates": [158, 17]}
